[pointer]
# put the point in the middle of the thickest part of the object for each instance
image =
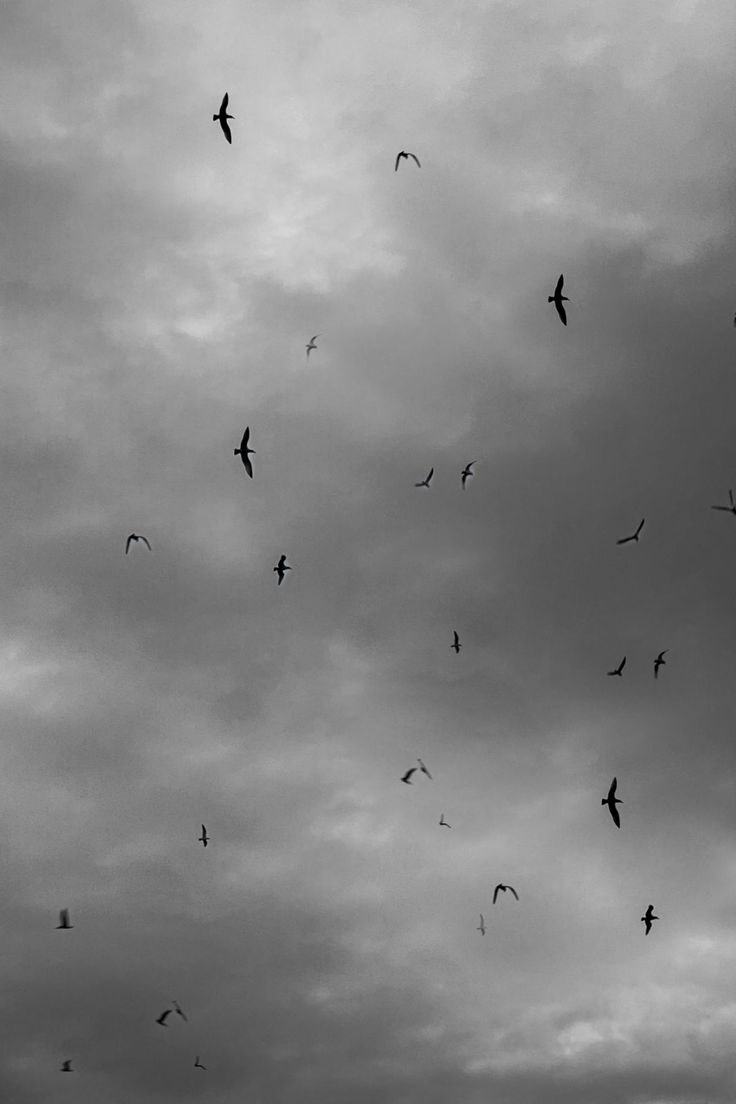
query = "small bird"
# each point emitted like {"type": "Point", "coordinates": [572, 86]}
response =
{"type": "Point", "coordinates": [204, 839]}
{"type": "Point", "coordinates": [136, 537]}
{"type": "Point", "coordinates": [482, 926]}
{"type": "Point", "coordinates": [647, 919]}
{"type": "Point", "coordinates": [427, 481]}
{"type": "Point", "coordinates": [634, 536]}
{"type": "Point", "coordinates": [407, 777]}
{"type": "Point", "coordinates": [177, 1008]}
{"type": "Point", "coordinates": [311, 344]}
{"type": "Point", "coordinates": [503, 889]}
{"type": "Point", "coordinates": [467, 473]}
{"type": "Point", "coordinates": [558, 299]}
{"type": "Point", "coordinates": [222, 117]}
{"type": "Point", "coordinates": [162, 1018]}
{"type": "Point", "coordinates": [612, 801]}
{"type": "Point", "coordinates": [456, 645]}
{"type": "Point", "coordinates": [729, 509]}
{"type": "Point", "coordinates": [66, 1066]}
{"type": "Point", "coordinates": [443, 822]}
{"type": "Point", "coordinates": [660, 662]}
{"type": "Point", "coordinates": [618, 670]}
{"type": "Point", "coordinates": [243, 451]}
{"type": "Point", "coordinates": [198, 1064]}
{"type": "Point", "coordinates": [423, 769]}
{"type": "Point", "coordinates": [64, 920]}
{"type": "Point", "coordinates": [406, 156]}
{"type": "Point", "coordinates": [281, 568]}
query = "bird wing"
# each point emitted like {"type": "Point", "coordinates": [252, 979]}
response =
{"type": "Point", "coordinates": [495, 893]}
{"type": "Point", "coordinates": [726, 508]}
{"type": "Point", "coordinates": [127, 543]}
{"type": "Point", "coordinates": [730, 495]}
{"type": "Point", "coordinates": [659, 657]}
{"type": "Point", "coordinates": [640, 527]}
{"type": "Point", "coordinates": [561, 311]}
{"type": "Point", "coordinates": [247, 463]}
{"type": "Point", "coordinates": [622, 664]}
{"type": "Point", "coordinates": [614, 813]}
{"type": "Point", "coordinates": [431, 473]}
{"type": "Point", "coordinates": [624, 540]}
{"type": "Point", "coordinates": [516, 895]}
{"type": "Point", "coordinates": [312, 339]}
{"type": "Point", "coordinates": [396, 166]}
{"type": "Point", "coordinates": [223, 105]}
{"type": "Point", "coordinates": [457, 638]}
{"type": "Point", "coordinates": [145, 541]}
{"type": "Point", "coordinates": [558, 286]}
{"type": "Point", "coordinates": [246, 438]}
{"type": "Point", "coordinates": [407, 776]}
{"type": "Point", "coordinates": [415, 158]}
{"type": "Point", "coordinates": [226, 130]}
{"type": "Point", "coordinates": [612, 790]}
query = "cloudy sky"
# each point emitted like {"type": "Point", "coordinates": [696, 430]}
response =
{"type": "Point", "coordinates": [157, 291]}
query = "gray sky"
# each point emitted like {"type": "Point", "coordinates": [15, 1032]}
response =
{"type": "Point", "coordinates": [157, 290]}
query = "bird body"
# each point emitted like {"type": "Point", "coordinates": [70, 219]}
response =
{"type": "Point", "coordinates": [612, 801]}
{"type": "Point", "coordinates": [406, 157]}
{"type": "Point", "coordinates": [456, 645]}
{"type": "Point", "coordinates": [647, 919]}
{"type": "Point", "coordinates": [222, 117]}
{"type": "Point", "coordinates": [660, 662]}
{"type": "Point", "coordinates": [558, 298]}
{"type": "Point", "coordinates": [427, 481]}
{"type": "Point", "coordinates": [243, 452]}
{"type": "Point", "coordinates": [281, 568]}
{"type": "Point", "coordinates": [618, 670]}
{"type": "Point", "coordinates": [136, 537]}
{"type": "Point", "coordinates": [634, 536]}
{"type": "Point", "coordinates": [64, 920]}
{"type": "Point", "coordinates": [467, 473]}
{"type": "Point", "coordinates": [204, 839]}
{"type": "Point", "coordinates": [503, 889]}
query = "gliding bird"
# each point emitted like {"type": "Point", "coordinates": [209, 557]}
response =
{"type": "Point", "coordinates": [634, 536]}
{"type": "Point", "coordinates": [311, 344]}
{"type": "Point", "coordinates": [456, 645]}
{"type": "Point", "coordinates": [660, 662]}
{"type": "Point", "coordinates": [423, 769]}
{"type": "Point", "coordinates": [243, 451]}
{"type": "Point", "coordinates": [467, 473]}
{"type": "Point", "coordinates": [281, 568]}
{"type": "Point", "coordinates": [443, 822]}
{"type": "Point", "coordinates": [204, 839]}
{"type": "Point", "coordinates": [557, 299]}
{"type": "Point", "coordinates": [618, 670]}
{"type": "Point", "coordinates": [729, 509]}
{"type": "Point", "coordinates": [647, 919]}
{"type": "Point", "coordinates": [64, 920]}
{"type": "Point", "coordinates": [222, 117]}
{"type": "Point", "coordinates": [427, 481]}
{"type": "Point", "coordinates": [612, 801]}
{"type": "Point", "coordinates": [198, 1064]}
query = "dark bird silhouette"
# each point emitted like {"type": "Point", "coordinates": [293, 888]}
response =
{"type": "Point", "coordinates": [198, 1064]}
{"type": "Point", "coordinates": [503, 889]}
{"type": "Point", "coordinates": [66, 1066]}
{"type": "Point", "coordinates": [423, 769]}
{"type": "Point", "coordinates": [618, 670]}
{"type": "Point", "coordinates": [634, 536]}
{"type": "Point", "coordinates": [612, 801]}
{"type": "Point", "coordinates": [729, 509]}
{"type": "Point", "coordinates": [647, 919]}
{"type": "Point", "coordinates": [243, 452]}
{"type": "Point", "coordinates": [311, 344]}
{"type": "Point", "coordinates": [660, 662]}
{"type": "Point", "coordinates": [64, 920]}
{"type": "Point", "coordinates": [443, 822]}
{"type": "Point", "coordinates": [406, 156]}
{"type": "Point", "coordinates": [456, 645]}
{"type": "Point", "coordinates": [136, 537]}
{"type": "Point", "coordinates": [162, 1018]}
{"type": "Point", "coordinates": [222, 117]}
{"type": "Point", "coordinates": [482, 926]}
{"type": "Point", "coordinates": [558, 298]}
{"type": "Point", "coordinates": [407, 777]}
{"type": "Point", "coordinates": [281, 568]}
{"type": "Point", "coordinates": [427, 481]}
{"type": "Point", "coordinates": [204, 839]}
{"type": "Point", "coordinates": [467, 473]}
{"type": "Point", "coordinates": [177, 1008]}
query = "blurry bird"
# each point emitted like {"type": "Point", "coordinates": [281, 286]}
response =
{"type": "Point", "coordinates": [311, 344]}
{"type": "Point", "coordinates": [64, 920]}
{"type": "Point", "coordinates": [423, 769]}
{"type": "Point", "coordinates": [136, 537]}
{"type": "Point", "coordinates": [407, 777]}
{"type": "Point", "coordinates": [443, 822]}
{"type": "Point", "coordinates": [198, 1064]}
{"type": "Point", "coordinates": [660, 662]}
{"type": "Point", "coordinates": [456, 645]}
{"type": "Point", "coordinates": [427, 481]}
{"type": "Point", "coordinates": [557, 299]}
{"type": "Point", "coordinates": [503, 889]}
{"type": "Point", "coordinates": [647, 919]}
{"type": "Point", "coordinates": [162, 1018]}
{"type": "Point", "coordinates": [222, 117]}
{"type": "Point", "coordinates": [618, 670]}
{"type": "Point", "coordinates": [634, 536]}
{"type": "Point", "coordinates": [612, 801]}
{"type": "Point", "coordinates": [243, 451]}
{"type": "Point", "coordinates": [482, 926]}
{"type": "Point", "coordinates": [204, 839]}
{"type": "Point", "coordinates": [467, 473]}
{"type": "Point", "coordinates": [729, 509]}
{"type": "Point", "coordinates": [177, 1009]}
{"type": "Point", "coordinates": [66, 1066]}
{"type": "Point", "coordinates": [281, 568]}
{"type": "Point", "coordinates": [406, 156]}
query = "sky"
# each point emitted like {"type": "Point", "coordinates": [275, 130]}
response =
{"type": "Point", "coordinates": [157, 290]}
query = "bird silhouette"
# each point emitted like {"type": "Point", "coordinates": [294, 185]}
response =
{"type": "Point", "coordinates": [281, 568]}
{"type": "Point", "coordinates": [406, 157]}
{"type": "Point", "coordinates": [66, 1066]}
{"type": "Point", "coordinates": [612, 801]}
{"type": "Point", "coordinates": [136, 537]}
{"type": "Point", "coordinates": [64, 920]}
{"type": "Point", "coordinates": [618, 670]}
{"type": "Point", "coordinates": [482, 926]}
{"type": "Point", "coordinates": [467, 473]}
{"type": "Point", "coordinates": [647, 919]}
{"type": "Point", "coordinates": [660, 662]}
{"type": "Point", "coordinates": [558, 299]}
{"type": "Point", "coordinates": [729, 509]}
{"type": "Point", "coordinates": [443, 822]}
{"type": "Point", "coordinates": [456, 645]}
{"type": "Point", "coordinates": [222, 117]}
{"type": "Point", "coordinates": [198, 1064]}
{"type": "Point", "coordinates": [243, 452]}
{"type": "Point", "coordinates": [634, 536]}
{"type": "Point", "coordinates": [407, 777]}
{"type": "Point", "coordinates": [503, 889]}
{"type": "Point", "coordinates": [177, 1008]}
{"type": "Point", "coordinates": [427, 481]}
{"type": "Point", "coordinates": [311, 344]}
{"type": "Point", "coordinates": [204, 838]}
{"type": "Point", "coordinates": [162, 1018]}
{"type": "Point", "coordinates": [423, 769]}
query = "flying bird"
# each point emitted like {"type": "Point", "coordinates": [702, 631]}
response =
{"type": "Point", "coordinates": [204, 838]}
{"type": "Point", "coordinates": [467, 473]}
{"type": "Point", "coordinates": [443, 822]}
{"type": "Point", "coordinates": [406, 156]}
{"type": "Point", "coordinates": [311, 344]}
{"type": "Point", "coordinates": [427, 481]}
{"type": "Point", "coordinates": [729, 509]}
{"type": "Point", "coordinates": [660, 662]}
{"type": "Point", "coordinates": [456, 645]}
{"type": "Point", "coordinates": [423, 769]}
{"type": "Point", "coordinates": [634, 536]}
{"type": "Point", "coordinates": [222, 117]}
{"type": "Point", "coordinates": [177, 1008]}
{"type": "Point", "coordinates": [64, 920]}
{"type": "Point", "coordinates": [198, 1064]}
{"type": "Point", "coordinates": [647, 919]}
{"type": "Point", "coordinates": [558, 299]}
{"type": "Point", "coordinates": [162, 1018]}
{"type": "Point", "coordinates": [243, 451]}
{"type": "Point", "coordinates": [136, 537]}
{"type": "Point", "coordinates": [482, 926]}
{"type": "Point", "coordinates": [66, 1066]}
{"type": "Point", "coordinates": [407, 777]}
{"type": "Point", "coordinates": [503, 889]}
{"type": "Point", "coordinates": [281, 568]}
{"type": "Point", "coordinates": [618, 670]}
{"type": "Point", "coordinates": [612, 801]}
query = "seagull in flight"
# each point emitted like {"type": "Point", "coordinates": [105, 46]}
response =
{"type": "Point", "coordinates": [618, 670]}
{"type": "Point", "coordinates": [311, 344]}
{"type": "Point", "coordinates": [204, 838]}
{"type": "Point", "coordinates": [612, 801]}
{"type": "Point", "coordinates": [222, 117]}
{"type": "Point", "coordinates": [423, 769]}
{"type": "Point", "coordinates": [634, 536]}
{"type": "Point", "coordinates": [407, 777]}
{"type": "Point", "coordinates": [162, 1018]}
{"type": "Point", "coordinates": [729, 509]}
{"type": "Point", "coordinates": [427, 481]}
{"type": "Point", "coordinates": [406, 157]}
{"type": "Point", "coordinates": [243, 451]}
{"type": "Point", "coordinates": [281, 568]}
{"type": "Point", "coordinates": [503, 889]}
{"type": "Point", "coordinates": [647, 919]}
{"type": "Point", "coordinates": [136, 537]}
{"type": "Point", "coordinates": [177, 1007]}
{"type": "Point", "coordinates": [456, 645]}
{"type": "Point", "coordinates": [64, 920]}
{"type": "Point", "coordinates": [467, 472]}
{"type": "Point", "coordinates": [198, 1064]}
{"type": "Point", "coordinates": [558, 299]}
{"type": "Point", "coordinates": [660, 662]}
{"type": "Point", "coordinates": [66, 1066]}
{"type": "Point", "coordinates": [482, 926]}
{"type": "Point", "coordinates": [443, 822]}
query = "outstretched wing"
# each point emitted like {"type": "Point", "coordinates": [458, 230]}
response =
{"type": "Point", "coordinates": [640, 527]}
{"type": "Point", "coordinates": [431, 473]}
{"type": "Point", "coordinates": [516, 895]}
{"type": "Point", "coordinates": [127, 543]}
{"type": "Point", "coordinates": [145, 541]}
{"type": "Point", "coordinates": [223, 105]}
{"type": "Point", "coordinates": [495, 893]}
{"type": "Point", "coordinates": [415, 158]}
{"type": "Point", "coordinates": [614, 813]}
{"type": "Point", "coordinates": [561, 311]}
{"type": "Point", "coordinates": [558, 287]}
{"type": "Point", "coordinates": [396, 166]}
{"type": "Point", "coordinates": [612, 790]}
{"type": "Point", "coordinates": [246, 439]}
{"type": "Point", "coordinates": [226, 129]}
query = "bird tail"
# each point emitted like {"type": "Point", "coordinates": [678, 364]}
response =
{"type": "Point", "coordinates": [215, 118]}
{"type": "Point", "coordinates": [236, 452]}
{"type": "Point", "coordinates": [550, 298]}
{"type": "Point", "coordinates": [603, 801]}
